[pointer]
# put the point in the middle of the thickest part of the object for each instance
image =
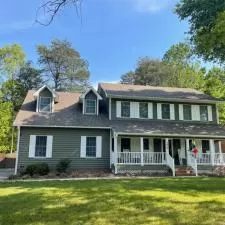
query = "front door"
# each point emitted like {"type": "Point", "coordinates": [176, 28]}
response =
{"type": "Point", "coordinates": [176, 151]}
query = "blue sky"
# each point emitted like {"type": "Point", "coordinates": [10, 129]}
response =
{"type": "Point", "coordinates": [111, 35]}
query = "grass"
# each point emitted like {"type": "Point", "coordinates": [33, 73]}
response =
{"type": "Point", "coordinates": [190, 201]}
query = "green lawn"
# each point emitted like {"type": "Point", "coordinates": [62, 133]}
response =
{"type": "Point", "coordinates": [134, 201]}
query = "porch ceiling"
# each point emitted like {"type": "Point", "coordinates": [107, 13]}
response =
{"type": "Point", "coordinates": [169, 129]}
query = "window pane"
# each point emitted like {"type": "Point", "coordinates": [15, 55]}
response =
{"type": "Point", "coordinates": [91, 147]}
{"type": "Point", "coordinates": [203, 113]}
{"type": "Point", "coordinates": [146, 143]}
{"type": "Point", "coordinates": [40, 147]}
{"type": "Point", "coordinates": [165, 111]}
{"type": "Point", "coordinates": [45, 104]}
{"type": "Point", "coordinates": [125, 109]}
{"type": "Point", "coordinates": [205, 146]}
{"type": "Point", "coordinates": [90, 106]}
{"type": "Point", "coordinates": [187, 112]}
{"type": "Point", "coordinates": [143, 109]}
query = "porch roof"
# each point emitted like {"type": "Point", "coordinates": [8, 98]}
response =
{"type": "Point", "coordinates": [169, 129]}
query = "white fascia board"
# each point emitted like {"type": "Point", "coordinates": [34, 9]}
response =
{"type": "Point", "coordinates": [99, 97]}
{"type": "Point", "coordinates": [36, 94]}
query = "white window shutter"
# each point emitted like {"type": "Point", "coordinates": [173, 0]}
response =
{"type": "Point", "coordinates": [209, 112]}
{"type": "Point", "coordinates": [172, 112]}
{"type": "Point", "coordinates": [181, 112]}
{"type": "Point", "coordinates": [99, 147]}
{"type": "Point", "coordinates": [118, 108]}
{"type": "Point", "coordinates": [150, 110]}
{"type": "Point", "coordinates": [83, 147]}
{"type": "Point", "coordinates": [137, 113]}
{"type": "Point", "coordinates": [159, 111]}
{"type": "Point", "coordinates": [195, 112]}
{"type": "Point", "coordinates": [32, 146]}
{"type": "Point", "coordinates": [49, 147]}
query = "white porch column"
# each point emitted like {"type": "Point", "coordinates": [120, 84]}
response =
{"type": "Point", "coordinates": [187, 150]}
{"type": "Point", "coordinates": [142, 150]}
{"type": "Point", "coordinates": [212, 150]}
{"type": "Point", "coordinates": [220, 148]}
{"type": "Point", "coordinates": [115, 152]}
{"type": "Point", "coordinates": [167, 148]}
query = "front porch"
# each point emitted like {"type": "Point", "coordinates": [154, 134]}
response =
{"type": "Point", "coordinates": [145, 151]}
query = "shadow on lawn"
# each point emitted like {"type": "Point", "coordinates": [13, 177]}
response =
{"type": "Point", "coordinates": [111, 202]}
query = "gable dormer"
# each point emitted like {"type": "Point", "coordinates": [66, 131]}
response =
{"type": "Point", "coordinates": [45, 99]}
{"type": "Point", "coordinates": [90, 102]}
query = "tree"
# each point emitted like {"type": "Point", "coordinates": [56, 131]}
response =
{"type": "Point", "coordinates": [29, 77]}
{"type": "Point", "coordinates": [63, 65]}
{"type": "Point", "coordinates": [128, 78]}
{"type": "Point", "coordinates": [6, 126]}
{"type": "Point", "coordinates": [53, 7]}
{"type": "Point", "coordinates": [207, 30]}
{"type": "Point", "coordinates": [185, 70]}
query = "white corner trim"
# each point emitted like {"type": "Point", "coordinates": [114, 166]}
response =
{"type": "Point", "coordinates": [110, 109]}
{"type": "Point", "coordinates": [17, 150]}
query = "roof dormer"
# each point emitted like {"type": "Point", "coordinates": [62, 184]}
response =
{"type": "Point", "coordinates": [45, 99]}
{"type": "Point", "coordinates": [90, 100]}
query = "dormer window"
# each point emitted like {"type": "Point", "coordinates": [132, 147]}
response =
{"type": "Point", "coordinates": [90, 106]}
{"type": "Point", "coordinates": [45, 104]}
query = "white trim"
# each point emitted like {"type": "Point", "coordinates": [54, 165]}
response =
{"type": "Point", "coordinates": [209, 108]}
{"type": "Point", "coordinates": [36, 94]}
{"type": "Point", "coordinates": [118, 109]}
{"type": "Point", "coordinates": [172, 112]}
{"type": "Point", "coordinates": [195, 112]}
{"type": "Point", "coordinates": [142, 150]}
{"type": "Point", "coordinates": [99, 97]}
{"type": "Point", "coordinates": [159, 111]}
{"type": "Point", "coordinates": [134, 110]}
{"type": "Point", "coordinates": [17, 150]}
{"type": "Point", "coordinates": [170, 135]}
{"type": "Point", "coordinates": [150, 110]}
{"type": "Point", "coordinates": [110, 108]}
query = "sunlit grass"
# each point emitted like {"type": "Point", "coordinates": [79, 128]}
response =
{"type": "Point", "coordinates": [188, 201]}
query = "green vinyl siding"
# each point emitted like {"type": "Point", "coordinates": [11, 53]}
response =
{"type": "Point", "coordinates": [66, 144]}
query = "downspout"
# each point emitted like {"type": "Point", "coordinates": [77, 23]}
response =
{"type": "Point", "coordinates": [17, 150]}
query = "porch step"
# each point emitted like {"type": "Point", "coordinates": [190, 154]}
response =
{"type": "Point", "coordinates": [184, 171]}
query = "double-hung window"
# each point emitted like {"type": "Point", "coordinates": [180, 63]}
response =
{"type": "Point", "coordinates": [90, 106]}
{"type": "Point", "coordinates": [187, 112]}
{"type": "Point", "coordinates": [146, 144]}
{"type": "Point", "coordinates": [90, 146]}
{"type": "Point", "coordinates": [45, 104]}
{"type": "Point", "coordinates": [203, 113]}
{"type": "Point", "coordinates": [143, 110]}
{"type": "Point", "coordinates": [125, 109]}
{"type": "Point", "coordinates": [41, 146]}
{"type": "Point", "coordinates": [165, 111]}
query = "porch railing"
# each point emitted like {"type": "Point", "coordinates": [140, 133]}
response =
{"type": "Point", "coordinates": [219, 159]}
{"type": "Point", "coordinates": [133, 158]}
{"type": "Point", "coordinates": [203, 158]}
{"type": "Point", "coordinates": [170, 163]}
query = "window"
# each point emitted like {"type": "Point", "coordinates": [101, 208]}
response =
{"type": "Point", "coordinates": [125, 144]}
{"type": "Point", "coordinates": [125, 109]}
{"type": "Point", "coordinates": [187, 112]}
{"type": "Point", "coordinates": [203, 113]}
{"type": "Point", "coordinates": [91, 147]}
{"type": "Point", "coordinates": [90, 106]}
{"type": "Point", "coordinates": [205, 146]}
{"type": "Point", "coordinates": [165, 111]}
{"type": "Point", "coordinates": [45, 104]}
{"type": "Point", "coordinates": [143, 110]}
{"type": "Point", "coordinates": [146, 143]}
{"type": "Point", "coordinates": [41, 146]}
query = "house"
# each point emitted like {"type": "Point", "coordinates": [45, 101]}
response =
{"type": "Point", "coordinates": [125, 128]}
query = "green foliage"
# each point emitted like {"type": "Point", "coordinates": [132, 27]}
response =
{"type": "Point", "coordinates": [5, 126]}
{"type": "Point", "coordinates": [63, 165]}
{"type": "Point", "coordinates": [37, 169]}
{"type": "Point", "coordinates": [128, 78]}
{"type": "Point", "coordinates": [11, 58]}
{"type": "Point", "coordinates": [207, 30]}
{"type": "Point", "coordinates": [62, 64]}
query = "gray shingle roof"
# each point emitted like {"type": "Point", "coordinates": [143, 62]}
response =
{"type": "Point", "coordinates": [168, 128]}
{"type": "Point", "coordinates": [152, 92]}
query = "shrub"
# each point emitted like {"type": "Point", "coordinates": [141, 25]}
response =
{"type": "Point", "coordinates": [38, 168]}
{"type": "Point", "coordinates": [63, 165]}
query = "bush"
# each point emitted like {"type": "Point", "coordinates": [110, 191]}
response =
{"type": "Point", "coordinates": [38, 168]}
{"type": "Point", "coordinates": [63, 165]}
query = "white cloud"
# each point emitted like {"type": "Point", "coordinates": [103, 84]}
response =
{"type": "Point", "coordinates": [151, 6]}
